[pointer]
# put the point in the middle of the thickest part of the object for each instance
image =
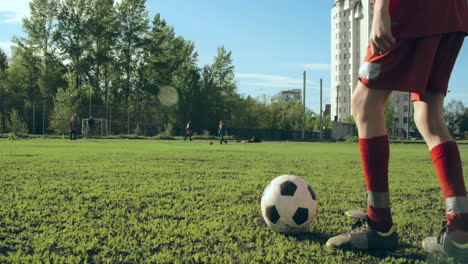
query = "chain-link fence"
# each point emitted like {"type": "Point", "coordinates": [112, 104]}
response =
{"type": "Point", "coordinates": [142, 119]}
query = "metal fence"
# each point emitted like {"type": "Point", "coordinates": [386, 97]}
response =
{"type": "Point", "coordinates": [142, 119]}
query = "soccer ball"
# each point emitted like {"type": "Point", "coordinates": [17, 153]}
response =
{"type": "Point", "coordinates": [211, 142]}
{"type": "Point", "coordinates": [289, 204]}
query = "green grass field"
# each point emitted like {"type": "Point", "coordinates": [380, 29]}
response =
{"type": "Point", "coordinates": [140, 201]}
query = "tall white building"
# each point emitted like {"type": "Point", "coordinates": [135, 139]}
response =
{"type": "Point", "coordinates": [351, 22]}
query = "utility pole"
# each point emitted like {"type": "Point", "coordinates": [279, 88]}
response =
{"type": "Point", "coordinates": [321, 111]}
{"type": "Point", "coordinates": [408, 116]}
{"type": "Point", "coordinates": [304, 107]}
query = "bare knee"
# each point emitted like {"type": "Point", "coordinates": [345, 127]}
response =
{"type": "Point", "coordinates": [367, 104]}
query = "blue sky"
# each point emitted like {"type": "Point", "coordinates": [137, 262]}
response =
{"type": "Point", "coordinates": [272, 41]}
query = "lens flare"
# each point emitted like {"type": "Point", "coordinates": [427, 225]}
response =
{"type": "Point", "coordinates": [168, 96]}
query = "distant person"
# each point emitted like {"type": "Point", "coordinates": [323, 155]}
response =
{"type": "Point", "coordinates": [188, 131]}
{"type": "Point", "coordinates": [255, 140]}
{"type": "Point", "coordinates": [413, 47]}
{"type": "Point", "coordinates": [72, 126]}
{"type": "Point", "coordinates": [90, 126]}
{"type": "Point", "coordinates": [222, 132]}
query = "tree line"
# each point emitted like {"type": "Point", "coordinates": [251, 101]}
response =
{"type": "Point", "coordinates": [79, 53]}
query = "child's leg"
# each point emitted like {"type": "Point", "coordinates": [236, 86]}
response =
{"type": "Point", "coordinates": [368, 111]}
{"type": "Point", "coordinates": [429, 118]}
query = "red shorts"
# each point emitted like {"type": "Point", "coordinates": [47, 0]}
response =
{"type": "Point", "coordinates": [416, 65]}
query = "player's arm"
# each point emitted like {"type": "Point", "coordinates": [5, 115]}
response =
{"type": "Point", "coordinates": [381, 38]}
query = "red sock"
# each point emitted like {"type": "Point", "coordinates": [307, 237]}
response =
{"type": "Point", "coordinates": [375, 154]}
{"type": "Point", "coordinates": [448, 166]}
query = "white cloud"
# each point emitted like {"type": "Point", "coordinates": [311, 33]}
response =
{"type": "Point", "coordinates": [6, 47]}
{"type": "Point", "coordinates": [266, 80]}
{"type": "Point", "coordinates": [13, 11]}
{"type": "Point", "coordinates": [316, 67]}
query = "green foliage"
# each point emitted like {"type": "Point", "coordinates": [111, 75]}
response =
{"type": "Point", "coordinates": [464, 122]}
{"type": "Point", "coordinates": [140, 201]}
{"type": "Point", "coordinates": [349, 120]}
{"type": "Point", "coordinates": [167, 132]}
{"type": "Point", "coordinates": [351, 139]}
{"type": "Point", "coordinates": [66, 103]}
{"type": "Point", "coordinates": [454, 113]}
{"type": "Point", "coordinates": [15, 124]}
{"type": "Point", "coordinates": [12, 136]}
{"type": "Point", "coordinates": [3, 61]}
{"type": "Point", "coordinates": [1, 123]}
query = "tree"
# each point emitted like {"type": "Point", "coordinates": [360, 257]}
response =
{"type": "Point", "coordinates": [3, 61]}
{"type": "Point", "coordinates": [453, 115]}
{"type": "Point", "coordinates": [66, 103]}
{"type": "Point", "coordinates": [133, 22]}
{"type": "Point", "coordinates": [103, 33]}
{"type": "Point", "coordinates": [73, 36]}
{"type": "Point", "coordinates": [16, 124]}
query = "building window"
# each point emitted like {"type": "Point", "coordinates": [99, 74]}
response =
{"type": "Point", "coordinates": [396, 120]}
{"type": "Point", "coordinates": [405, 120]}
{"type": "Point", "coordinates": [344, 55]}
{"type": "Point", "coordinates": [405, 109]}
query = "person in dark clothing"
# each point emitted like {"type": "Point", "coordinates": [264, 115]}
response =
{"type": "Point", "coordinates": [222, 132]}
{"type": "Point", "coordinates": [72, 127]}
{"type": "Point", "coordinates": [90, 126]}
{"type": "Point", "coordinates": [255, 140]}
{"type": "Point", "coordinates": [188, 131]}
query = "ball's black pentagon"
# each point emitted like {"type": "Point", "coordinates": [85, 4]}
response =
{"type": "Point", "coordinates": [301, 216]}
{"type": "Point", "coordinates": [312, 193]}
{"type": "Point", "coordinates": [288, 188]}
{"type": "Point", "coordinates": [272, 214]}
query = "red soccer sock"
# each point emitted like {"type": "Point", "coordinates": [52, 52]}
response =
{"type": "Point", "coordinates": [448, 166]}
{"type": "Point", "coordinates": [375, 155]}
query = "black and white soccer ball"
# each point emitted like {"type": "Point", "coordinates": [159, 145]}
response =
{"type": "Point", "coordinates": [289, 204]}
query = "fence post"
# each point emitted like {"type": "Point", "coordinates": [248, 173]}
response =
{"type": "Point", "coordinates": [5, 117]}
{"type": "Point", "coordinates": [145, 118]}
{"type": "Point", "coordinates": [110, 120]}
{"type": "Point", "coordinates": [43, 117]}
{"type": "Point", "coordinates": [34, 117]}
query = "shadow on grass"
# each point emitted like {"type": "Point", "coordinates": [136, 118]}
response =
{"type": "Point", "coordinates": [310, 236]}
{"type": "Point", "coordinates": [398, 253]}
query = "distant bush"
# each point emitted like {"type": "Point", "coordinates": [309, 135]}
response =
{"type": "Point", "coordinates": [12, 136]}
{"type": "Point", "coordinates": [351, 139]}
{"type": "Point", "coordinates": [137, 130]}
{"type": "Point", "coordinates": [130, 136]}
{"type": "Point", "coordinates": [167, 132]}
{"type": "Point", "coordinates": [163, 136]}
{"type": "Point", "coordinates": [16, 125]}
